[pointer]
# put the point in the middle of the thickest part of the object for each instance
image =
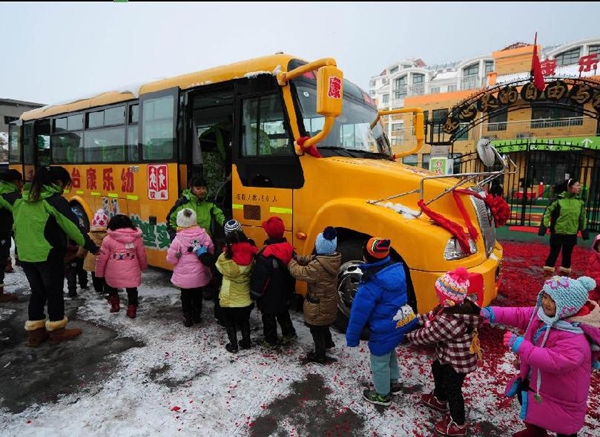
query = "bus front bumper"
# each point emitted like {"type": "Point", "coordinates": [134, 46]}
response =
{"type": "Point", "coordinates": [423, 282]}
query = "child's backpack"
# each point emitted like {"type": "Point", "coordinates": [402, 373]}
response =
{"type": "Point", "coordinates": [265, 270]}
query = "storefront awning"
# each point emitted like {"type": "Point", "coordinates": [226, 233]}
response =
{"type": "Point", "coordinates": [547, 144]}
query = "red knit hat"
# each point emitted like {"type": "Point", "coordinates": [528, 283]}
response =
{"type": "Point", "coordinates": [378, 248]}
{"type": "Point", "coordinates": [274, 227]}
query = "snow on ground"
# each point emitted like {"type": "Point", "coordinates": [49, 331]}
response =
{"type": "Point", "coordinates": [183, 382]}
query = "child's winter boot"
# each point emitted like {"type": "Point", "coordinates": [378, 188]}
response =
{"type": "Point", "coordinates": [314, 357]}
{"type": "Point", "coordinates": [232, 346]}
{"type": "Point", "coordinates": [115, 303]}
{"type": "Point", "coordinates": [131, 311]}
{"type": "Point", "coordinates": [448, 427]}
{"type": "Point", "coordinates": [531, 431]}
{"type": "Point", "coordinates": [548, 272]}
{"type": "Point", "coordinates": [429, 400]}
{"type": "Point", "coordinates": [37, 332]}
{"type": "Point", "coordinates": [565, 271]}
{"type": "Point", "coordinates": [187, 320]}
{"type": "Point", "coordinates": [6, 297]}
{"type": "Point", "coordinates": [375, 398]}
{"type": "Point", "coordinates": [58, 331]}
{"type": "Point", "coordinates": [288, 339]}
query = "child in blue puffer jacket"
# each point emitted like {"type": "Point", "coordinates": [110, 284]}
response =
{"type": "Point", "coordinates": [381, 301]}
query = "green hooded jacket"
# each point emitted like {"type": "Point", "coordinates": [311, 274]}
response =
{"type": "Point", "coordinates": [566, 215]}
{"type": "Point", "coordinates": [43, 225]}
{"type": "Point", "coordinates": [9, 193]}
{"type": "Point", "coordinates": [203, 209]}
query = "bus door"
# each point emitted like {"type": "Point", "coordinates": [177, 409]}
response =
{"type": "Point", "coordinates": [15, 149]}
{"type": "Point", "coordinates": [210, 114]}
{"type": "Point", "coordinates": [266, 169]}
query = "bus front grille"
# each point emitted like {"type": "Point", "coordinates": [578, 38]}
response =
{"type": "Point", "coordinates": [486, 224]}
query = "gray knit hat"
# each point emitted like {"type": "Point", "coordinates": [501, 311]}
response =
{"type": "Point", "coordinates": [232, 226]}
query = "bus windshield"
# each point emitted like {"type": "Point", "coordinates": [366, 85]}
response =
{"type": "Point", "coordinates": [351, 134]}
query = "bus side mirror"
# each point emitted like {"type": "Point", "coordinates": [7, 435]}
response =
{"type": "Point", "coordinates": [330, 91]}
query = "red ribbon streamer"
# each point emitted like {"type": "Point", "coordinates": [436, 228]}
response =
{"type": "Point", "coordinates": [312, 150]}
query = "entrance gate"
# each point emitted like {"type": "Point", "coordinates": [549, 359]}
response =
{"type": "Point", "coordinates": [541, 163]}
{"type": "Point", "coordinates": [530, 190]}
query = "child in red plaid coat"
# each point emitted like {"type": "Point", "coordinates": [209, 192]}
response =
{"type": "Point", "coordinates": [452, 328]}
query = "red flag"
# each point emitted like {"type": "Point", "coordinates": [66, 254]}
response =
{"type": "Point", "coordinates": [536, 68]}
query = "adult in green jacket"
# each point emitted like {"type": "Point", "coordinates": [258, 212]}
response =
{"type": "Point", "coordinates": [43, 222]}
{"type": "Point", "coordinates": [565, 217]}
{"type": "Point", "coordinates": [11, 184]}
{"type": "Point", "coordinates": [193, 198]}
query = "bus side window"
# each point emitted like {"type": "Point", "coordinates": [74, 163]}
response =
{"type": "Point", "coordinates": [158, 129]}
{"type": "Point", "coordinates": [263, 130]}
{"type": "Point", "coordinates": [42, 142]}
{"type": "Point", "coordinates": [14, 144]}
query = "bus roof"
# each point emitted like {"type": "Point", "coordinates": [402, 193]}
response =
{"type": "Point", "coordinates": [250, 68]}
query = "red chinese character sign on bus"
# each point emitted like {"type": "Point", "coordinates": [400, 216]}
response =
{"type": "Point", "coordinates": [108, 182]}
{"type": "Point", "coordinates": [158, 185]}
{"type": "Point", "coordinates": [127, 180]}
{"type": "Point", "coordinates": [335, 88]}
{"type": "Point", "coordinates": [91, 178]}
{"type": "Point", "coordinates": [76, 178]}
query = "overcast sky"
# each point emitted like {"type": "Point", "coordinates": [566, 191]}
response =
{"type": "Point", "coordinates": [56, 51]}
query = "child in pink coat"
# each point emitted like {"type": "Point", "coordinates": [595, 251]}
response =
{"type": "Point", "coordinates": [189, 273]}
{"type": "Point", "coordinates": [555, 354]}
{"type": "Point", "coordinates": [121, 261]}
{"type": "Point", "coordinates": [594, 269]}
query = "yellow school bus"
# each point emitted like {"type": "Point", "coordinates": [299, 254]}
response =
{"type": "Point", "coordinates": [249, 127]}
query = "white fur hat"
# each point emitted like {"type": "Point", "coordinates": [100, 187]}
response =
{"type": "Point", "coordinates": [186, 218]}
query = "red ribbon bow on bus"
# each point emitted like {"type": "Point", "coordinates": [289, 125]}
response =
{"type": "Point", "coordinates": [312, 150]}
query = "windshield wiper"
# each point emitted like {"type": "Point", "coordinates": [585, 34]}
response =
{"type": "Point", "coordinates": [355, 153]}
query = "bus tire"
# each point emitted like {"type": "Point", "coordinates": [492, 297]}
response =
{"type": "Point", "coordinates": [349, 278]}
{"type": "Point", "coordinates": [347, 283]}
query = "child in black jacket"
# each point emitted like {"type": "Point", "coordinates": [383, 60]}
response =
{"type": "Point", "coordinates": [272, 286]}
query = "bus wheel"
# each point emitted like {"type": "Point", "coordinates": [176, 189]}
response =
{"type": "Point", "coordinates": [80, 213]}
{"type": "Point", "coordinates": [347, 282]}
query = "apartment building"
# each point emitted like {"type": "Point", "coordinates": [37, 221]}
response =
{"type": "Point", "coordinates": [437, 88]}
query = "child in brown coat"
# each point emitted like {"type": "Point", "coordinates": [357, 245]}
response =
{"type": "Point", "coordinates": [320, 305]}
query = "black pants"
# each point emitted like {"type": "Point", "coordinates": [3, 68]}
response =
{"type": "Point", "coordinates": [322, 337]}
{"type": "Point", "coordinates": [46, 280]}
{"type": "Point", "coordinates": [270, 326]}
{"type": "Point", "coordinates": [132, 294]}
{"type": "Point", "coordinates": [4, 256]}
{"type": "Point", "coordinates": [98, 283]}
{"type": "Point", "coordinates": [238, 317]}
{"type": "Point", "coordinates": [74, 272]}
{"type": "Point", "coordinates": [191, 301]}
{"type": "Point", "coordinates": [448, 387]}
{"type": "Point", "coordinates": [565, 242]}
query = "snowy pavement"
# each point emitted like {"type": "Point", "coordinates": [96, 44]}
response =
{"type": "Point", "coordinates": [164, 379]}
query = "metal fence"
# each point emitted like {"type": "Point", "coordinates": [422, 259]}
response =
{"type": "Point", "coordinates": [531, 189]}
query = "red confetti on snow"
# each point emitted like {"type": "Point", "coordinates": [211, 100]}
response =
{"type": "Point", "coordinates": [175, 408]}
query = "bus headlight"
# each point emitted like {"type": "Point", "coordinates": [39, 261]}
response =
{"type": "Point", "coordinates": [453, 250]}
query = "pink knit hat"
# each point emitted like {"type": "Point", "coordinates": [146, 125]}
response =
{"type": "Point", "coordinates": [100, 219]}
{"type": "Point", "coordinates": [452, 287]}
